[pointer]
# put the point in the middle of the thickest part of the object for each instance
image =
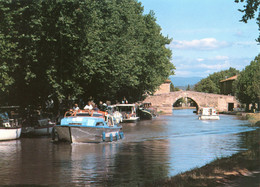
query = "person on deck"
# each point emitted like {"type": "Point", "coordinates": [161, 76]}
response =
{"type": "Point", "coordinates": [88, 106]}
{"type": "Point", "coordinates": [76, 107]}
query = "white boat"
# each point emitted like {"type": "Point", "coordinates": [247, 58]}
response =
{"type": "Point", "coordinates": [208, 113]}
{"type": "Point", "coordinates": [128, 112]}
{"type": "Point", "coordinates": [10, 128]}
{"type": "Point", "coordinates": [10, 133]}
{"type": "Point", "coordinates": [117, 116]}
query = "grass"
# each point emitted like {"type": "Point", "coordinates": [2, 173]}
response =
{"type": "Point", "coordinates": [253, 118]}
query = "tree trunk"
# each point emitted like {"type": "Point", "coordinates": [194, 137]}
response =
{"type": "Point", "coordinates": [247, 107]}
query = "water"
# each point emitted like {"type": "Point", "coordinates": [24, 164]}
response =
{"type": "Point", "coordinates": [151, 150]}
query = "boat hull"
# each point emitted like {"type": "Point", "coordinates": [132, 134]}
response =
{"type": "Point", "coordinates": [41, 131]}
{"type": "Point", "coordinates": [38, 130]}
{"type": "Point", "coordinates": [130, 120]}
{"type": "Point", "coordinates": [209, 117]}
{"type": "Point", "coordinates": [145, 115]}
{"type": "Point", "coordinates": [10, 133]}
{"type": "Point", "coordinates": [81, 134]}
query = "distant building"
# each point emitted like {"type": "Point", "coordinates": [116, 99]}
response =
{"type": "Point", "coordinates": [164, 88]}
{"type": "Point", "coordinates": [226, 85]}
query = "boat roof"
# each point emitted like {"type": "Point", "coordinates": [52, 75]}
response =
{"type": "Point", "coordinates": [208, 108]}
{"type": "Point", "coordinates": [9, 107]}
{"type": "Point", "coordinates": [125, 104]}
{"type": "Point", "coordinates": [84, 121]}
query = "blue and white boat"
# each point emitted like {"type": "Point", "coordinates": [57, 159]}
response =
{"type": "Point", "coordinates": [87, 126]}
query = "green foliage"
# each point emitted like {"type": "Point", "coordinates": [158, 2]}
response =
{"type": "Point", "coordinates": [71, 50]}
{"type": "Point", "coordinates": [251, 10]}
{"type": "Point", "coordinates": [211, 83]}
{"type": "Point", "coordinates": [248, 84]}
{"type": "Point", "coordinates": [173, 89]}
{"type": "Point", "coordinates": [188, 88]}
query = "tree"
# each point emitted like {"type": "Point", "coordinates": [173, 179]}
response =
{"type": "Point", "coordinates": [207, 86]}
{"type": "Point", "coordinates": [7, 54]}
{"type": "Point", "coordinates": [173, 88]}
{"type": "Point", "coordinates": [248, 85]}
{"type": "Point", "coordinates": [188, 88]}
{"type": "Point", "coordinates": [251, 9]}
{"type": "Point", "coordinates": [79, 50]}
{"type": "Point", "coordinates": [211, 83]}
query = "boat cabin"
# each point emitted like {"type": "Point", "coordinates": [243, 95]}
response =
{"type": "Point", "coordinates": [208, 113]}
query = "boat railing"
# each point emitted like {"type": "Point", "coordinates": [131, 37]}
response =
{"type": "Point", "coordinates": [8, 123]}
{"type": "Point", "coordinates": [85, 113]}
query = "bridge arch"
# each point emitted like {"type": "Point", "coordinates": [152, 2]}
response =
{"type": "Point", "coordinates": [163, 102]}
{"type": "Point", "coordinates": [192, 98]}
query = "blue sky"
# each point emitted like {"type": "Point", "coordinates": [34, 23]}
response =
{"type": "Point", "coordinates": [207, 35]}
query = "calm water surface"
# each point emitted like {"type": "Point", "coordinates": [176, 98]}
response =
{"type": "Point", "coordinates": [151, 150]}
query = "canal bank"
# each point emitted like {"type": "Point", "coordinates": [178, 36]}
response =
{"type": "Point", "coordinates": [253, 118]}
{"type": "Point", "coordinates": [241, 169]}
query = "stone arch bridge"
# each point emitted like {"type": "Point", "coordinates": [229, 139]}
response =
{"type": "Point", "coordinates": [164, 102]}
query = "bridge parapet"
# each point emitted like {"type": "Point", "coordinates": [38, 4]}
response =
{"type": "Point", "coordinates": [164, 102]}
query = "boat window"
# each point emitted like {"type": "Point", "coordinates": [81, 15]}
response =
{"type": "Point", "coordinates": [99, 124]}
{"type": "Point", "coordinates": [83, 114]}
{"type": "Point", "coordinates": [97, 115]}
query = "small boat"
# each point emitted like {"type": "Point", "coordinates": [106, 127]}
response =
{"type": "Point", "coordinates": [87, 126]}
{"type": "Point", "coordinates": [146, 112]}
{"type": "Point", "coordinates": [10, 126]}
{"type": "Point", "coordinates": [208, 113]}
{"type": "Point", "coordinates": [128, 112]}
{"type": "Point", "coordinates": [38, 127]}
{"type": "Point", "coordinates": [43, 127]}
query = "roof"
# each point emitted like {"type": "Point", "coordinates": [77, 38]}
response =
{"type": "Point", "coordinates": [229, 79]}
{"type": "Point", "coordinates": [167, 81]}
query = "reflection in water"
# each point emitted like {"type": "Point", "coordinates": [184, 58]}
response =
{"type": "Point", "coordinates": [152, 150]}
{"type": "Point", "coordinates": [9, 159]}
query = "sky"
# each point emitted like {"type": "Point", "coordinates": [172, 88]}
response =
{"type": "Point", "coordinates": [207, 35]}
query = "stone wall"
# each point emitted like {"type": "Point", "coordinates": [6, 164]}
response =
{"type": "Point", "coordinates": [164, 102]}
{"type": "Point", "coordinates": [164, 88]}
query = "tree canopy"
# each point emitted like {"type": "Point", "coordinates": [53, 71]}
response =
{"type": "Point", "coordinates": [251, 11]}
{"type": "Point", "coordinates": [211, 83]}
{"type": "Point", "coordinates": [70, 50]}
{"type": "Point", "coordinates": [248, 83]}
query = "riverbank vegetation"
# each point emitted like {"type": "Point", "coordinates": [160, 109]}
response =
{"type": "Point", "coordinates": [55, 52]}
{"type": "Point", "coordinates": [253, 118]}
{"type": "Point", "coordinates": [247, 86]}
{"type": "Point", "coordinates": [211, 84]}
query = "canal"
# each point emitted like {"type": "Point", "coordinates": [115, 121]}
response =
{"type": "Point", "coordinates": [151, 150]}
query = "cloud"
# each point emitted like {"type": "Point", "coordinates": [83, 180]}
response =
{"type": "Point", "coordinates": [200, 59]}
{"type": "Point", "coordinates": [221, 58]}
{"type": "Point", "coordinates": [203, 66]}
{"type": "Point", "coordinates": [202, 44]}
{"type": "Point", "coordinates": [246, 43]}
{"type": "Point", "coordinates": [216, 67]}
